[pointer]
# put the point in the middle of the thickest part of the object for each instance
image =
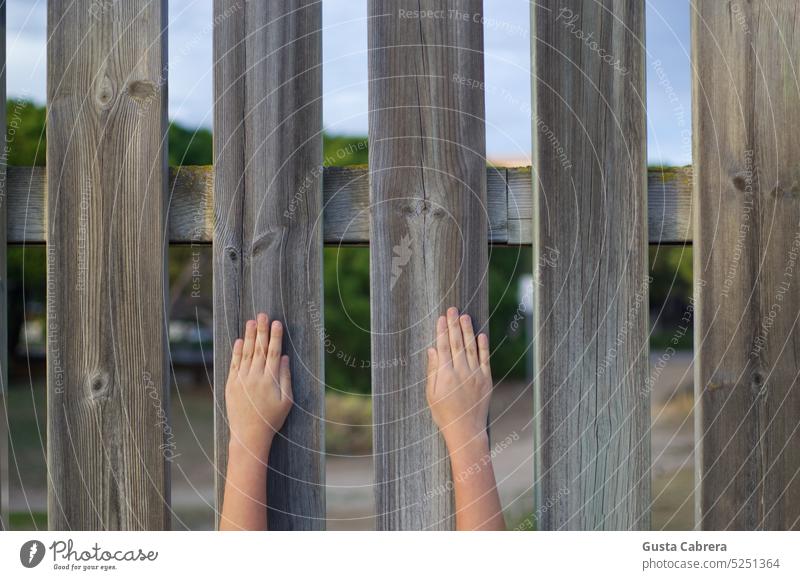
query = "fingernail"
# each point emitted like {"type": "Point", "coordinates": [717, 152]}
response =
{"type": "Point", "coordinates": [276, 325]}
{"type": "Point", "coordinates": [452, 312]}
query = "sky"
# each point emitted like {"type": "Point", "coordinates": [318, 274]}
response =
{"type": "Point", "coordinates": [507, 64]}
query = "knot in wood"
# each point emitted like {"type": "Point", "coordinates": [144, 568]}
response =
{"type": "Point", "coordinates": [97, 384]}
{"type": "Point", "coordinates": [104, 94]}
{"type": "Point", "coordinates": [142, 91]}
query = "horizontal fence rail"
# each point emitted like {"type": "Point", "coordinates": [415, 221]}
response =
{"type": "Point", "coordinates": [345, 204]}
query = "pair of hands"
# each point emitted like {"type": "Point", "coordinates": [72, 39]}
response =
{"type": "Point", "coordinates": [259, 393]}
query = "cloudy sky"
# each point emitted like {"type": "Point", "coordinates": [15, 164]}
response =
{"type": "Point", "coordinates": [345, 70]}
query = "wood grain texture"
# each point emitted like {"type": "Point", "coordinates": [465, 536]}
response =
{"type": "Point", "coordinates": [590, 242]}
{"type": "Point", "coordinates": [3, 285]}
{"type": "Point", "coordinates": [429, 226]}
{"type": "Point", "coordinates": [747, 285]}
{"type": "Point", "coordinates": [268, 243]}
{"type": "Point", "coordinates": [107, 383]}
{"type": "Point", "coordinates": [228, 199]}
{"type": "Point", "coordinates": [345, 200]}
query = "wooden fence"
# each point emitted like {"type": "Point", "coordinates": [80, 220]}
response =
{"type": "Point", "coordinates": [107, 204]}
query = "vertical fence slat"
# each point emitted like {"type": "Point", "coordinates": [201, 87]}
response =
{"type": "Point", "coordinates": [590, 245]}
{"type": "Point", "coordinates": [428, 233]}
{"type": "Point", "coordinates": [107, 383]}
{"type": "Point", "coordinates": [268, 145]}
{"type": "Point", "coordinates": [4, 419]}
{"type": "Point", "coordinates": [747, 256]}
{"type": "Point", "coordinates": [229, 162]}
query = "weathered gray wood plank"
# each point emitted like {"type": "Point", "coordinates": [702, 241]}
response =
{"type": "Point", "coordinates": [228, 202]}
{"type": "Point", "coordinates": [107, 381]}
{"type": "Point", "coordinates": [269, 211]}
{"type": "Point", "coordinates": [346, 205]}
{"type": "Point", "coordinates": [3, 285]}
{"type": "Point", "coordinates": [590, 231]}
{"type": "Point", "coordinates": [747, 285]}
{"type": "Point", "coordinates": [429, 227]}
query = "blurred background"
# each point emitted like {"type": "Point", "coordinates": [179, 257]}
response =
{"type": "Point", "coordinates": [346, 271]}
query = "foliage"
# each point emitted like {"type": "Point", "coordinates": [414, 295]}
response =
{"type": "Point", "coordinates": [26, 141]}
{"type": "Point", "coordinates": [190, 147]}
{"type": "Point", "coordinates": [346, 269]}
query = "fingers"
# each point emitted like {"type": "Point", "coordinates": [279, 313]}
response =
{"type": "Point", "coordinates": [236, 356]}
{"type": "Point", "coordinates": [274, 350]}
{"type": "Point", "coordinates": [285, 379]}
{"type": "Point", "coordinates": [433, 366]}
{"type": "Point", "coordinates": [249, 346]}
{"type": "Point", "coordinates": [262, 339]}
{"type": "Point", "coordinates": [470, 346]}
{"type": "Point", "coordinates": [483, 354]}
{"type": "Point", "coordinates": [456, 340]}
{"type": "Point", "coordinates": [443, 342]}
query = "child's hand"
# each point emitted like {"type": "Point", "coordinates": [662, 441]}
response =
{"type": "Point", "coordinates": [459, 379]}
{"type": "Point", "coordinates": [258, 394]}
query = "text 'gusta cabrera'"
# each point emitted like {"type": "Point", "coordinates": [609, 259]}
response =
{"type": "Point", "coordinates": [684, 547]}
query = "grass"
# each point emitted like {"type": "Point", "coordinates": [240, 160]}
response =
{"type": "Point", "coordinates": [24, 521]}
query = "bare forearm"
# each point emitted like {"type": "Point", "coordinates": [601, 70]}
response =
{"type": "Point", "coordinates": [477, 502]}
{"type": "Point", "coordinates": [244, 506]}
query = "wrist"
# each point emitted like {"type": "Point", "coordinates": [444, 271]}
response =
{"type": "Point", "coordinates": [250, 447]}
{"type": "Point", "coordinates": [467, 444]}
